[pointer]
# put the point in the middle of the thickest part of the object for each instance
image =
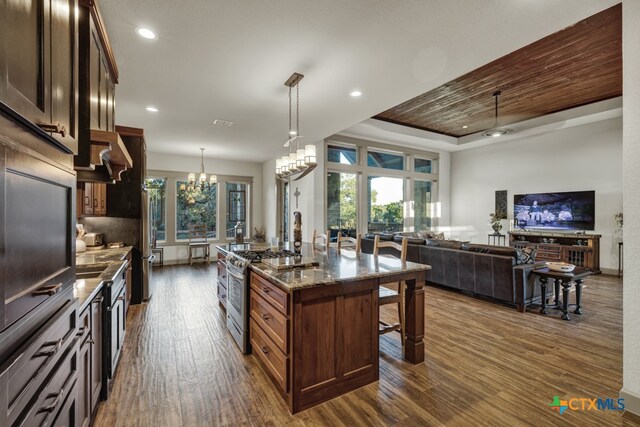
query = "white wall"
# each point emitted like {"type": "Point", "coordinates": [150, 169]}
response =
{"type": "Point", "coordinates": [631, 153]}
{"type": "Point", "coordinates": [171, 162]}
{"type": "Point", "coordinates": [310, 202]}
{"type": "Point", "coordinates": [587, 157]}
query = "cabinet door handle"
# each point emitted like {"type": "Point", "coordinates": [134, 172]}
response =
{"type": "Point", "coordinates": [266, 290]}
{"type": "Point", "coordinates": [53, 350]}
{"type": "Point", "coordinates": [53, 405]}
{"type": "Point", "coordinates": [47, 290]}
{"type": "Point", "coordinates": [53, 128]}
{"type": "Point", "coordinates": [265, 317]}
{"type": "Point", "coordinates": [264, 349]}
{"type": "Point", "coordinates": [90, 341]}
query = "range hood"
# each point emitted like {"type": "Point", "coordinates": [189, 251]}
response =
{"type": "Point", "coordinates": [105, 159]}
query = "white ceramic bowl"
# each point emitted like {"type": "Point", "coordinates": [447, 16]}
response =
{"type": "Point", "coordinates": [563, 267]}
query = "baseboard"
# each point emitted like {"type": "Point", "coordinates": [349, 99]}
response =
{"type": "Point", "coordinates": [631, 401]}
{"type": "Point", "coordinates": [610, 271]}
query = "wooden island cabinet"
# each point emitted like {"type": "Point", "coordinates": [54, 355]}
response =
{"type": "Point", "coordinates": [315, 330]}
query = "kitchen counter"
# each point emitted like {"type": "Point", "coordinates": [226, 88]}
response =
{"type": "Point", "coordinates": [315, 329]}
{"type": "Point", "coordinates": [102, 257]}
{"type": "Point", "coordinates": [335, 267]}
{"type": "Point", "coordinates": [111, 260]}
{"type": "Point", "coordinates": [86, 290]}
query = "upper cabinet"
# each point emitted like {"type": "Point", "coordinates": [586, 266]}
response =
{"type": "Point", "coordinates": [98, 78]}
{"type": "Point", "coordinates": [39, 65]}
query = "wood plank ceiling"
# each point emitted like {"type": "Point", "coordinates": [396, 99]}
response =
{"type": "Point", "coordinates": [576, 66]}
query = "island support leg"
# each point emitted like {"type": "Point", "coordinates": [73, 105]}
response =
{"type": "Point", "coordinates": [414, 319]}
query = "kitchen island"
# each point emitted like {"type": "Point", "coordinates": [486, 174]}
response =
{"type": "Point", "coordinates": [315, 329]}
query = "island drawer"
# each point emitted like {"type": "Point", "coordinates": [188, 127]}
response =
{"type": "Point", "coordinates": [272, 322]}
{"type": "Point", "coordinates": [274, 360]}
{"type": "Point", "coordinates": [270, 292]}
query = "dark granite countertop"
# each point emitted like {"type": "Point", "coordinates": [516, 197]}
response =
{"type": "Point", "coordinates": [86, 290]}
{"type": "Point", "coordinates": [334, 267]}
{"type": "Point", "coordinates": [110, 261]}
{"type": "Point", "coordinates": [102, 257]}
{"type": "Point", "coordinates": [249, 246]}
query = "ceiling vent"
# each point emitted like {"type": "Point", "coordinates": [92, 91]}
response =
{"type": "Point", "coordinates": [221, 122]}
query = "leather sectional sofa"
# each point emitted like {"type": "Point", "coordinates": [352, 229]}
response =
{"type": "Point", "coordinates": [488, 271]}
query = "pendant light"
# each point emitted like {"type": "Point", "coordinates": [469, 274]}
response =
{"type": "Point", "coordinates": [496, 131]}
{"type": "Point", "coordinates": [301, 159]}
{"type": "Point", "coordinates": [202, 182]}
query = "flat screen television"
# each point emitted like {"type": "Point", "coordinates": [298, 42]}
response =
{"type": "Point", "coordinates": [573, 210]}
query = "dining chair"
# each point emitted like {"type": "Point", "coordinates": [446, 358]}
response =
{"type": "Point", "coordinates": [355, 242]}
{"type": "Point", "coordinates": [325, 239]}
{"type": "Point", "coordinates": [198, 241]}
{"type": "Point", "coordinates": [389, 296]}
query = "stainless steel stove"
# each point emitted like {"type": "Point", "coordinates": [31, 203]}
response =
{"type": "Point", "coordinates": [238, 291]}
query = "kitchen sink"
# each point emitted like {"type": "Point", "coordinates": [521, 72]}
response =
{"type": "Point", "coordinates": [88, 272]}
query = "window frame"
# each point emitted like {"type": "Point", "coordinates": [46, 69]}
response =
{"type": "Point", "coordinates": [172, 177]}
{"type": "Point", "coordinates": [164, 204]}
{"type": "Point", "coordinates": [363, 172]}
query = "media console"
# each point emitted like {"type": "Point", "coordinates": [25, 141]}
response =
{"type": "Point", "coordinates": [583, 250]}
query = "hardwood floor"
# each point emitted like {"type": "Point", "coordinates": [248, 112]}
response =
{"type": "Point", "coordinates": [486, 364]}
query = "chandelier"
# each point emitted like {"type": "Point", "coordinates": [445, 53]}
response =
{"type": "Point", "coordinates": [301, 158]}
{"type": "Point", "coordinates": [202, 182]}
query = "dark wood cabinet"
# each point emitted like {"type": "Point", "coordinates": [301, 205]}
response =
{"type": "Point", "coordinates": [125, 197]}
{"type": "Point", "coordinates": [84, 383]}
{"type": "Point", "coordinates": [41, 374]}
{"type": "Point", "coordinates": [39, 65]}
{"type": "Point", "coordinates": [96, 340]}
{"type": "Point", "coordinates": [98, 76]}
{"type": "Point", "coordinates": [90, 361]}
{"type": "Point", "coordinates": [582, 250]}
{"type": "Point", "coordinates": [38, 199]}
{"type": "Point", "coordinates": [93, 196]}
{"type": "Point", "coordinates": [118, 326]}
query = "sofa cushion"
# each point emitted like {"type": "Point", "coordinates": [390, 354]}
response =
{"type": "Point", "coordinates": [411, 240]}
{"type": "Point", "coordinates": [383, 236]}
{"type": "Point", "coordinates": [526, 255]}
{"type": "Point", "coordinates": [447, 244]}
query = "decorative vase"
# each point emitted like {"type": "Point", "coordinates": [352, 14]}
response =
{"type": "Point", "coordinates": [297, 232]}
{"type": "Point", "coordinates": [496, 228]}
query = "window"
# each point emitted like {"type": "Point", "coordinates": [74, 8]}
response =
{"type": "Point", "coordinates": [421, 202]}
{"type": "Point", "coordinates": [342, 202]}
{"type": "Point", "coordinates": [236, 208]}
{"type": "Point", "coordinates": [422, 165]}
{"type": "Point", "coordinates": [378, 159]}
{"type": "Point", "coordinates": [343, 155]}
{"type": "Point", "coordinates": [195, 207]}
{"type": "Point", "coordinates": [386, 206]}
{"type": "Point", "coordinates": [156, 190]}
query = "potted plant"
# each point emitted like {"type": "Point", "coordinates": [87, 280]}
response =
{"type": "Point", "coordinates": [495, 219]}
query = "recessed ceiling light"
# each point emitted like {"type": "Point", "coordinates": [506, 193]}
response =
{"type": "Point", "coordinates": [152, 109]}
{"type": "Point", "coordinates": [355, 93]}
{"type": "Point", "coordinates": [146, 33]}
{"type": "Point", "coordinates": [465, 126]}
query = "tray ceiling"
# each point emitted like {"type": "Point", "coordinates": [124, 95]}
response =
{"type": "Point", "coordinates": [578, 65]}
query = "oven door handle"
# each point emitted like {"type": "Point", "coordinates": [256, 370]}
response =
{"type": "Point", "coordinates": [235, 276]}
